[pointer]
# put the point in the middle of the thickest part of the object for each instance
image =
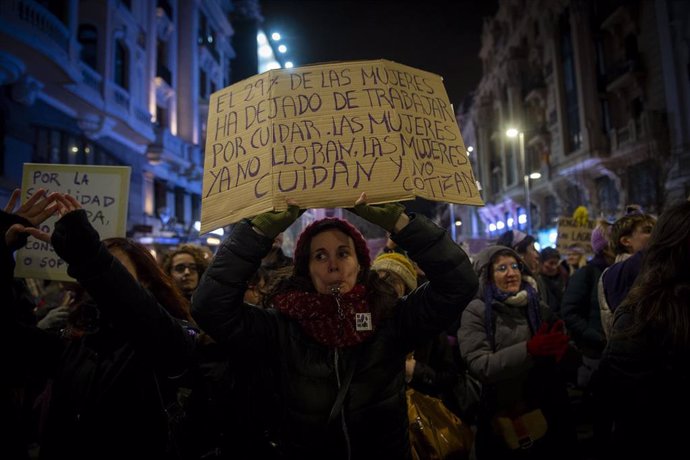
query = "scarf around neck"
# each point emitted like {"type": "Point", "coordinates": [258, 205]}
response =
{"type": "Point", "coordinates": [328, 323]}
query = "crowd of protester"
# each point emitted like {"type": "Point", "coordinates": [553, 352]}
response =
{"type": "Point", "coordinates": [253, 353]}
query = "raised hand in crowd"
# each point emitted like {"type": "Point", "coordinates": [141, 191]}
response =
{"type": "Point", "coordinates": [17, 224]}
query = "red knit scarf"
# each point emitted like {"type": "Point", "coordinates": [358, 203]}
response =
{"type": "Point", "coordinates": [320, 318]}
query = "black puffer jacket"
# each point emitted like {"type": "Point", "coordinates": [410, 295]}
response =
{"type": "Point", "coordinates": [104, 403]}
{"type": "Point", "coordinates": [375, 410]}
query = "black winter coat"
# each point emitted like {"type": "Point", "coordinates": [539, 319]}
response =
{"type": "Point", "coordinates": [104, 402]}
{"type": "Point", "coordinates": [375, 409]}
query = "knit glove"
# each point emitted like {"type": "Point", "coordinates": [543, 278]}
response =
{"type": "Point", "coordinates": [272, 223]}
{"type": "Point", "coordinates": [383, 215]}
{"type": "Point", "coordinates": [56, 318]}
{"type": "Point", "coordinates": [549, 342]}
{"type": "Point", "coordinates": [74, 238]}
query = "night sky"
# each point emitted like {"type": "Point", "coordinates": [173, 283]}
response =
{"type": "Point", "coordinates": [442, 37]}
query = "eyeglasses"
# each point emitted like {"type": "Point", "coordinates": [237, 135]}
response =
{"type": "Point", "coordinates": [181, 268]}
{"type": "Point", "coordinates": [504, 268]}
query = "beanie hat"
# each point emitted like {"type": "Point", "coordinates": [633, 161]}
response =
{"type": "Point", "coordinates": [330, 223]}
{"type": "Point", "coordinates": [398, 264]}
{"type": "Point", "coordinates": [600, 238]}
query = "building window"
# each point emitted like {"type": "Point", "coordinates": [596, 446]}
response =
{"type": "Point", "coordinates": [160, 197]}
{"type": "Point", "coordinates": [572, 109]}
{"type": "Point", "coordinates": [179, 205]}
{"type": "Point", "coordinates": [121, 65]}
{"type": "Point", "coordinates": [196, 207]}
{"type": "Point", "coordinates": [203, 26]}
{"type": "Point", "coordinates": [551, 213]}
{"type": "Point", "coordinates": [574, 198]}
{"type": "Point", "coordinates": [59, 147]}
{"type": "Point", "coordinates": [203, 79]}
{"type": "Point", "coordinates": [642, 185]}
{"type": "Point", "coordinates": [88, 39]}
{"type": "Point", "coordinates": [607, 195]}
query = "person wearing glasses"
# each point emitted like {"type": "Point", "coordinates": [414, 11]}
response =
{"type": "Point", "coordinates": [512, 344]}
{"type": "Point", "coordinates": [185, 265]}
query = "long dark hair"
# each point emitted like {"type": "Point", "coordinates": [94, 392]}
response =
{"type": "Point", "coordinates": [152, 277]}
{"type": "Point", "coordinates": [658, 300]}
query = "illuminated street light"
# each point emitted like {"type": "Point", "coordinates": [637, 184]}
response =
{"type": "Point", "coordinates": [514, 132]}
{"type": "Point", "coordinates": [289, 65]}
{"type": "Point", "coordinates": [282, 48]}
{"type": "Point", "coordinates": [275, 36]}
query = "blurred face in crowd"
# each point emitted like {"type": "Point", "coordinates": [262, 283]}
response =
{"type": "Point", "coordinates": [573, 258]}
{"type": "Point", "coordinates": [532, 259]}
{"type": "Point", "coordinates": [184, 272]}
{"type": "Point", "coordinates": [507, 274]}
{"type": "Point", "coordinates": [639, 239]}
{"type": "Point", "coordinates": [394, 280]}
{"type": "Point", "coordinates": [333, 262]}
{"type": "Point", "coordinates": [550, 266]}
{"type": "Point", "coordinates": [253, 294]}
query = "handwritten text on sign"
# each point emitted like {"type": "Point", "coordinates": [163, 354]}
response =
{"type": "Point", "coordinates": [323, 134]}
{"type": "Point", "coordinates": [570, 233]}
{"type": "Point", "coordinates": [102, 191]}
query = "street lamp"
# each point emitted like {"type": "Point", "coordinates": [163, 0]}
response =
{"type": "Point", "coordinates": [513, 132]}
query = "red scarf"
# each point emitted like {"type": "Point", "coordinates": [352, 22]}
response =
{"type": "Point", "coordinates": [322, 320]}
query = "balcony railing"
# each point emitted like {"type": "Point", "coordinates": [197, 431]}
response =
{"type": "Point", "coordinates": [649, 126]}
{"type": "Point", "coordinates": [91, 78]}
{"type": "Point", "coordinates": [37, 19]}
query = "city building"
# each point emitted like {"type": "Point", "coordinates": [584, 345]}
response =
{"type": "Point", "coordinates": [598, 94]}
{"type": "Point", "coordinates": [115, 82]}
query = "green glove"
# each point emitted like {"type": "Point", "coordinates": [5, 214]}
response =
{"type": "Point", "coordinates": [272, 223]}
{"type": "Point", "coordinates": [383, 215]}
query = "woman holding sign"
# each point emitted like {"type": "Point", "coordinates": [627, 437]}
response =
{"type": "Point", "coordinates": [110, 376]}
{"type": "Point", "coordinates": [337, 336]}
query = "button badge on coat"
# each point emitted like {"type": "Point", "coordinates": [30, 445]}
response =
{"type": "Point", "coordinates": [363, 321]}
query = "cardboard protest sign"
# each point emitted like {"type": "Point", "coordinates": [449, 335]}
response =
{"type": "Point", "coordinates": [103, 192]}
{"type": "Point", "coordinates": [323, 134]}
{"type": "Point", "coordinates": [571, 233]}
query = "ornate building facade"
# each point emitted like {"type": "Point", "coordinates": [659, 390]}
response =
{"type": "Point", "coordinates": [121, 83]}
{"type": "Point", "coordinates": [601, 94]}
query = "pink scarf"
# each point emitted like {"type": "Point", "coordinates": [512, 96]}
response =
{"type": "Point", "coordinates": [322, 319]}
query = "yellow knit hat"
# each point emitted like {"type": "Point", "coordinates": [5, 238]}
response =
{"type": "Point", "coordinates": [398, 264]}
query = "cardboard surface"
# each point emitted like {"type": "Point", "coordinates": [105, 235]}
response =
{"type": "Point", "coordinates": [323, 134]}
{"type": "Point", "coordinates": [103, 192]}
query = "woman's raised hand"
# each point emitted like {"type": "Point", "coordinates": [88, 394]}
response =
{"type": "Point", "coordinates": [34, 212]}
{"type": "Point", "coordinates": [389, 216]}
{"type": "Point", "coordinates": [272, 223]}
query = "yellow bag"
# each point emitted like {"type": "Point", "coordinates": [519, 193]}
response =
{"type": "Point", "coordinates": [520, 432]}
{"type": "Point", "coordinates": [435, 432]}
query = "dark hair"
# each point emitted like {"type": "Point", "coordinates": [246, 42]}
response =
{"type": "Point", "coordinates": [201, 258]}
{"type": "Point", "coordinates": [276, 259]}
{"type": "Point", "coordinates": [151, 276]}
{"type": "Point", "coordinates": [658, 300]}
